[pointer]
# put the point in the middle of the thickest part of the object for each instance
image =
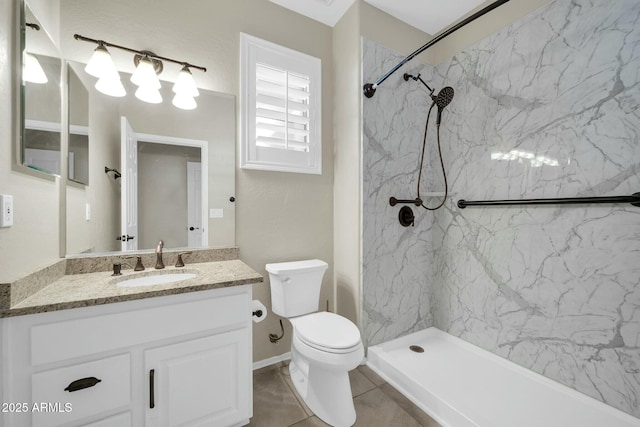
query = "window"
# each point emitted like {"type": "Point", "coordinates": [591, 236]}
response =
{"type": "Point", "coordinates": [280, 108]}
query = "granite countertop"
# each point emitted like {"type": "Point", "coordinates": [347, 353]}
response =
{"type": "Point", "coordinates": [82, 290]}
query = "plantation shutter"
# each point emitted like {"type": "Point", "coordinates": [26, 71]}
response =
{"type": "Point", "coordinates": [281, 117]}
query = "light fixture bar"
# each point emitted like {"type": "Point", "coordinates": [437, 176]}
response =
{"type": "Point", "coordinates": [139, 52]}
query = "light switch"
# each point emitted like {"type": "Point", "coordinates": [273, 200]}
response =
{"type": "Point", "coordinates": [87, 211]}
{"type": "Point", "coordinates": [6, 206]}
{"type": "Point", "coordinates": [216, 213]}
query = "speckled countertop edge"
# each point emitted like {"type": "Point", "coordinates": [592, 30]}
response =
{"type": "Point", "coordinates": [83, 290]}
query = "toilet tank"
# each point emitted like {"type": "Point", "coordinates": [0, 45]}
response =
{"type": "Point", "coordinates": [295, 286]}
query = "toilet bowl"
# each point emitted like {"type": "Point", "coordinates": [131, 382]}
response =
{"type": "Point", "coordinates": [324, 345]}
{"type": "Point", "coordinates": [320, 365]}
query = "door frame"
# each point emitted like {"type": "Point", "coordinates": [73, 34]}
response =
{"type": "Point", "coordinates": [204, 160]}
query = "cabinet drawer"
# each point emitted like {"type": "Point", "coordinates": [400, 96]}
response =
{"type": "Point", "coordinates": [53, 342]}
{"type": "Point", "coordinates": [62, 406]}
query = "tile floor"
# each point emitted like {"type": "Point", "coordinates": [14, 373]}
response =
{"type": "Point", "coordinates": [276, 404]}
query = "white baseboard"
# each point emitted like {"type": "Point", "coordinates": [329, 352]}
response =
{"type": "Point", "coordinates": [271, 361]}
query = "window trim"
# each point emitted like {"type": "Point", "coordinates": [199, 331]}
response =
{"type": "Point", "coordinates": [252, 51]}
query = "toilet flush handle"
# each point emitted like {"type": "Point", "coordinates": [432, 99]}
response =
{"type": "Point", "coordinates": [286, 280]}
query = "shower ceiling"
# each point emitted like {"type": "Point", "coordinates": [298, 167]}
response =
{"type": "Point", "coordinates": [430, 16]}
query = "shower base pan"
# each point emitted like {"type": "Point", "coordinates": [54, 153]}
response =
{"type": "Point", "coordinates": [461, 385]}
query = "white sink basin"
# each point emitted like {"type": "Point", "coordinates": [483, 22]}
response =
{"type": "Point", "coordinates": [157, 279]}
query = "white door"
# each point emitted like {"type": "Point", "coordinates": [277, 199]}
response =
{"type": "Point", "coordinates": [199, 383]}
{"type": "Point", "coordinates": [194, 205]}
{"type": "Point", "coordinates": [129, 191]}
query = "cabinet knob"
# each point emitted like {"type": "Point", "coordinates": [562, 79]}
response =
{"type": "Point", "coordinates": [82, 384]}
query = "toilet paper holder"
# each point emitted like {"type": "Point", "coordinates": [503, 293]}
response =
{"type": "Point", "coordinates": [258, 311]}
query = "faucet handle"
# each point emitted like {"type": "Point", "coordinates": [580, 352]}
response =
{"type": "Point", "coordinates": [117, 269]}
{"type": "Point", "coordinates": [179, 262]}
{"type": "Point", "coordinates": [139, 266]}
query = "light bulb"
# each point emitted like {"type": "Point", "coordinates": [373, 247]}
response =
{"type": "Point", "coordinates": [184, 102]}
{"type": "Point", "coordinates": [145, 74]}
{"type": "Point", "coordinates": [149, 94]}
{"type": "Point", "coordinates": [101, 65]}
{"type": "Point", "coordinates": [185, 84]}
{"type": "Point", "coordinates": [111, 86]}
{"type": "Point", "coordinates": [32, 71]}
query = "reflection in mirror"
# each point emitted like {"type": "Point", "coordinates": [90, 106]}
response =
{"type": "Point", "coordinates": [41, 86]}
{"type": "Point", "coordinates": [175, 149]}
{"type": "Point", "coordinates": [78, 166]}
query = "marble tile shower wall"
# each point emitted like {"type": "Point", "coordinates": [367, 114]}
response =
{"type": "Point", "coordinates": [396, 260]}
{"type": "Point", "coordinates": [547, 107]}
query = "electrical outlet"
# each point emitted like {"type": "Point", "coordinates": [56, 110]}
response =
{"type": "Point", "coordinates": [6, 210]}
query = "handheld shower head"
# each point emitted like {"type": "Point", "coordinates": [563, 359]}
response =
{"type": "Point", "coordinates": [442, 100]}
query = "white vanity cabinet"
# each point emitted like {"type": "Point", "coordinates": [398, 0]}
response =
{"type": "Point", "coordinates": [179, 360]}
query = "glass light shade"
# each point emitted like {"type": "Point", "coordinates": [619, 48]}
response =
{"type": "Point", "coordinates": [184, 102]}
{"type": "Point", "coordinates": [149, 94]}
{"type": "Point", "coordinates": [32, 71]}
{"type": "Point", "coordinates": [111, 86]}
{"type": "Point", "coordinates": [101, 65]}
{"type": "Point", "coordinates": [185, 84]}
{"type": "Point", "coordinates": [145, 74]}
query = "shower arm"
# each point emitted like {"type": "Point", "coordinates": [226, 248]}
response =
{"type": "Point", "coordinates": [370, 89]}
{"type": "Point", "coordinates": [408, 76]}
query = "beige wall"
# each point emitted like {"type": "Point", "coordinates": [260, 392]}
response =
{"type": "Point", "coordinates": [32, 242]}
{"type": "Point", "coordinates": [346, 196]}
{"type": "Point", "coordinates": [383, 28]}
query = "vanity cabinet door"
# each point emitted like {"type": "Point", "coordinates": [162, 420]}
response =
{"type": "Point", "coordinates": [203, 382]}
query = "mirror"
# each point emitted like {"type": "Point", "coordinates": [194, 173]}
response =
{"type": "Point", "coordinates": [169, 143]}
{"type": "Point", "coordinates": [41, 96]}
{"type": "Point", "coordinates": [170, 140]}
{"type": "Point", "coordinates": [78, 154]}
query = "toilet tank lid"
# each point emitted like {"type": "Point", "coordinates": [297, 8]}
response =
{"type": "Point", "coordinates": [297, 266]}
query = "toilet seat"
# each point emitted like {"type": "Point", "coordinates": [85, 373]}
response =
{"type": "Point", "coordinates": [328, 332]}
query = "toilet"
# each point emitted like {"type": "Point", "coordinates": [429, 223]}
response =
{"type": "Point", "coordinates": [324, 345]}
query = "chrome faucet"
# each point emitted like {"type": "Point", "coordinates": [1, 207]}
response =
{"type": "Point", "coordinates": [159, 263]}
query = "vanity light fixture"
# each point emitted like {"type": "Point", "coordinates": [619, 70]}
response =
{"type": "Point", "coordinates": [148, 66]}
{"type": "Point", "coordinates": [146, 78]}
{"type": "Point", "coordinates": [101, 66]}
{"type": "Point", "coordinates": [111, 86]}
{"type": "Point", "coordinates": [185, 90]}
{"type": "Point", "coordinates": [32, 71]}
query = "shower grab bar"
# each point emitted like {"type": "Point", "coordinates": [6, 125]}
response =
{"type": "Point", "coordinates": [370, 89]}
{"type": "Point", "coordinates": [393, 201]}
{"type": "Point", "coordinates": [634, 199]}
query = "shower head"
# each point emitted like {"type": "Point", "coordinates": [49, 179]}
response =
{"type": "Point", "coordinates": [443, 99]}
